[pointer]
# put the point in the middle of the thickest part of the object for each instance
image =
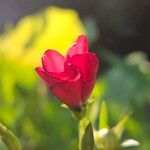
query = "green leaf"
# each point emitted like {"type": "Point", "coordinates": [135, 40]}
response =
{"type": "Point", "coordinates": [82, 126]}
{"type": "Point", "coordinates": [119, 128]}
{"type": "Point", "coordinates": [9, 138]}
{"type": "Point", "coordinates": [103, 116]}
{"type": "Point", "coordinates": [87, 142]}
{"type": "Point", "coordinates": [129, 143]}
{"type": "Point", "coordinates": [93, 111]}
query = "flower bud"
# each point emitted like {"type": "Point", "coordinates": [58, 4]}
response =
{"type": "Point", "coordinates": [105, 139]}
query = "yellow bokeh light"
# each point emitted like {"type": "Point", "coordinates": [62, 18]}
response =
{"type": "Point", "coordinates": [54, 28]}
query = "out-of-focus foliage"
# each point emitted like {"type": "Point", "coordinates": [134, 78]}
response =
{"type": "Point", "coordinates": [126, 87]}
{"type": "Point", "coordinates": [34, 115]}
{"type": "Point", "coordinates": [24, 104]}
{"type": "Point", "coordinates": [110, 138]}
{"type": "Point", "coordinates": [9, 138]}
{"type": "Point", "coordinates": [53, 28]}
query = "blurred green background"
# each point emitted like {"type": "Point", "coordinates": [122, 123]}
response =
{"type": "Point", "coordinates": [26, 105]}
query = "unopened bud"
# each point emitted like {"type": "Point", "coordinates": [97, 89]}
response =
{"type": "Point", "coordinates": [105, 139]}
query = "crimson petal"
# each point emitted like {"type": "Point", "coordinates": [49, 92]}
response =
{"type": "Point", "coordinates": [88, 65]}
{"type": "Point", "coordinates": [53, 61]}
{"type": "Point", "coordinates": [80, 47]}
{"type": "Point", "coordinates": [87, 89]}
{"type": "Point", "coordinates": [69, 92]}
{"type": "Point", "coordinates": [49, 80]}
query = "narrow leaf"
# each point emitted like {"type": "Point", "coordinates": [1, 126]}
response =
{"type": "Point", "coordinates": [129, 143]}
{"type": "Point", "coordinates": [9, 138]}
{"type": "Point", "coordinates": [103, 116]}
{"type": "Point", "coordinates": [119, 128]}
{"type": "Point", "coordinates": [82, 126]}
{"type": "Point", "coordinates": [87, 142]}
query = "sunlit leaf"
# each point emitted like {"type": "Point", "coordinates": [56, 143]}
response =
{"type": "Point", "coordinates": [103, 116]}
{"type": "Point", "coordinates": [82, 125]}
{"type": "Point", "coordinates": [93, 111]}
{"type": "Point", "coordinates": [119, 128]}
{"type": "Point", "coordinates": [9, 138]}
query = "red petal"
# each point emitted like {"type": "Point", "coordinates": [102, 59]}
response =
{"type": "Point", "coordinates": [71, 70]}
{"type": "Point", "coordinates": [69, 92]}
{"type": "Point", "coordinates": [49, 80]}
{"type": "Point", "coordinates": [88, 65]}
{"type": "Point", "coordinates": [87, 89]}
{"type": "Point", "coordinates": [53, 61]}
{"type": "Point", "coordinates": [80, 47]}
{"type": "Point", "coordinates": [42, 74]}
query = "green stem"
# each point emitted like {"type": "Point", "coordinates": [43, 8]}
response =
{"type": "Point", "coordinates": [79, 116]}
{"type": "Point", "coordinates": [84, 129]}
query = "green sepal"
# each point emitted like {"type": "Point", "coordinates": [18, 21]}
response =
{"type": "Point", "coordinates": [120, 126]}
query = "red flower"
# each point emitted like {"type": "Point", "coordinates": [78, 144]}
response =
{"type": "Point", "coordinates": [71, 78]}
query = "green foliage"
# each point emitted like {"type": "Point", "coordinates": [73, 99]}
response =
{"type": "Point", "coordinates": [83, 123]}
{"type": "Point", "coordinates": [87, 140]}
{"type": "Point", "coordinates": [9, 138]}
{"type": "Point", "coordinates": [86, 137]}
{"type": "Point", "coordinates": [119, 128]}
{"type": "Point", "coordinates": [103, 116]}
{"type": "Point", "coordinates": [25, 109]}
{"type": "Point", "coordinates": [127, 84]}
{"type": "Point", "coordinates": [107, 138]}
